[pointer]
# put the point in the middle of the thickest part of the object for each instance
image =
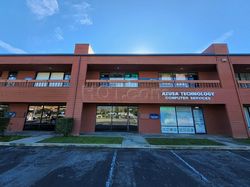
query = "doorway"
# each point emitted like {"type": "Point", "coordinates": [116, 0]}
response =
{"type": "Point", "coordinates": [117, 118]}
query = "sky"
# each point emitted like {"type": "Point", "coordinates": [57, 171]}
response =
{"type": "Point", "coordinates": [123, 26]}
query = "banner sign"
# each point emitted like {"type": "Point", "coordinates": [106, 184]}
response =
{"type": "Point", "coordinates": [206, 96]}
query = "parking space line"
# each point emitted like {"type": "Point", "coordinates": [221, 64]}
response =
{"type": "Point", "coordinates": [240, 156]}
{"type": "Point", "coordinates": [111, 170]}
{"type": "Point", "coordinates": [190, 167]}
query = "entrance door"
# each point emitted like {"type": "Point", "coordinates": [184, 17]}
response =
{"type": "Point", "coordinates": [116, 118]}
{"type": "Point", "coordinates": [120, 118]}
{"type": "Point", "coordinates": [103, 118]}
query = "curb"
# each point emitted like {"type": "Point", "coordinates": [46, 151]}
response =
{"type": "Point", "coordinates": [120, 146]}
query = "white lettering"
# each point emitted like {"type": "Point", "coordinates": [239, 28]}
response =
{"type": "Point", "coordinates": [206, 96]}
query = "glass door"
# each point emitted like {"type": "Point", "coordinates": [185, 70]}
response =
{"type": "Point", "coordinates": [132, 118]}
{"type": "Point", "coordinates": [34, 115]}
{"type": "Point", "coordinates": [120, 118]}
{"type": "Point", "coordinates": [117, 118]}
{"type": "Point", "coordinates": [49, 115]}
{"type": "Point", "coordinates": [103, 118]}
{"type": "Point", "coordinates": [199, 120]}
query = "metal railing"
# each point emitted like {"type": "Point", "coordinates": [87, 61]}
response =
{"type": "Point", "coordinates": [153, 83]}
{"type": "Point", "coordinates": [34, 83]}
{"type": "Point", "coordinates": [243, 84]}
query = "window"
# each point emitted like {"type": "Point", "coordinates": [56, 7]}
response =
{"type": "Point", "coordinates": [243, 77]}
{"type": "Point", "coordinates": [177, 76]}
{"type": "Point", "coordinates": [3, 110]}
{"type": "Point", "coordinates": [42, 76]}
{"type": "Point", "coordinates": [67, 76]}
{"type": "Point", "coordinates": [247, 115]}
{"type": "Point", "coordinates": [119, 76]}
{"type": "Point", "coordinates": [52, 76]}
{"type": "Point", "coordinates": [182, 119]}
{"type": "Point", "coordinates": [44, 114]}
{"type": "Point", "coordinates": [12, 76]}
{"type": "Point", "coordinates": [117, 118]}
{"type": "Point", "coordinates": [56, 76]}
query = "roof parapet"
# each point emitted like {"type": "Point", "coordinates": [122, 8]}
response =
{"type": "Point", "coordinates": [83, 49]}
{"type": "Point", "coordinates": [217, 48]}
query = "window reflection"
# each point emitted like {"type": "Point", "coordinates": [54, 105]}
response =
{"type": "Point", "coordinates": [40, 115]}
{"type": "Point", "coordinates": [117, 118]}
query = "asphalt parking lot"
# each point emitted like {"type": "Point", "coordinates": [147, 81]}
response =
{"type": "Point", "coordinates": [46, 166]}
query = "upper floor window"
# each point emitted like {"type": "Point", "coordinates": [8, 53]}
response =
{"type": "Point", "coordinates": [177, 76]}
{"type": "Point", "coordinates": [12, 75]}
{"type": "Point", "coordinates": [243, 77]}
{"type": "Point", "coordinates": [52, 76]}
{"type": "Point", "coordinates": [119, 76]}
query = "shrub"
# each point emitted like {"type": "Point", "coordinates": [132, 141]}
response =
{"type": "Point", "coordinates": [4, 121]}
{"type": "Point", "coordinates": [64, 126]}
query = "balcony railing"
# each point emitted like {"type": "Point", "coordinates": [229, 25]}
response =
{"type": "Point", "coordinates": [153, 83]}
{"type": "Point", "coordinates": [34, 83]}
{"type": "Point", "coordinates": [244, 84]}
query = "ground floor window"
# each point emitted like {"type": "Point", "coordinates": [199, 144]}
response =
{"type": "Point", "coordinates": [3, 110]}
{"type": "Point", "coordinates": [117, 118]}
{"type": "Point", "coordinates": [182, 119]}
{"type": "Point", "coordinates": [247, 115]}
{"type": "Point", "coordinates": [43, 117]}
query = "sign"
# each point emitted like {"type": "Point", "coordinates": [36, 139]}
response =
{"type": "Point", "coordinates": [205, 96]}
{"type": "Point", "coordinates": [186, 130]}
{"type": "Point", "coordinates": [154, 116]}
{"type": "Point", "coordinates": [165, 129]}
{"type": "Point", "coordinates": [12, 114]}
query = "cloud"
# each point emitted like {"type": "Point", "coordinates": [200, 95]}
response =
{"type": "Point", "coordinates": [223, 38]}
{"type": "Point", "coordinates": [10, 48]}
{"type": "Point", "coordinates": [43, 8]}
{"type": "Point", "coordinates": [58, 33]}
{"type": "Point", "coordinates": [81, 13]}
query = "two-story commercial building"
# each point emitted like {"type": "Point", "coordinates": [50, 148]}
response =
{"type": "Point", "coordinates": [207, 93]}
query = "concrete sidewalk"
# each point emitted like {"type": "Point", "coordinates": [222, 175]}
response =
{"type": "Point", "coordinates": [32, 139]}
{"type": "Point", "coordinates": [132, 140]}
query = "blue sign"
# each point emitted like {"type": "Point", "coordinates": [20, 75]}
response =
{"type": "Point", "coordinates": [12, 114]}
{"type": "Point", "coordinates": [154, 116]}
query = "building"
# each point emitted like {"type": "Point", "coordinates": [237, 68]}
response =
{"type": "Point", "coordinates": [207, 93]}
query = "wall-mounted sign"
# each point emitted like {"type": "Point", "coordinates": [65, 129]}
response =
{"type": "Point", "coordinates": [206, 96]}
{"type": "Point", "coordinates": [12, 114]}
{"type": "Point", "coordinates": [154, 116]}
